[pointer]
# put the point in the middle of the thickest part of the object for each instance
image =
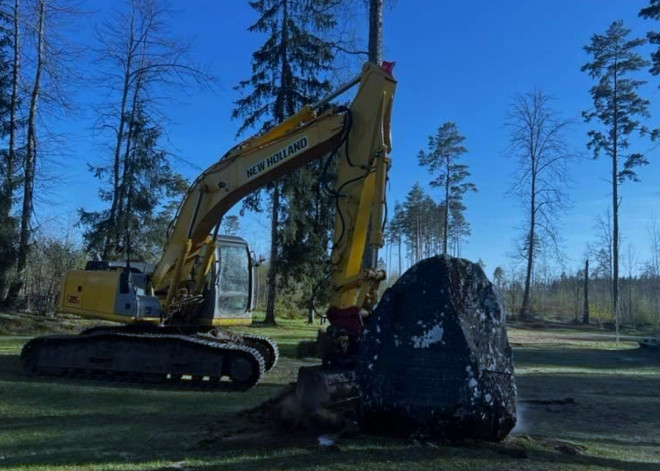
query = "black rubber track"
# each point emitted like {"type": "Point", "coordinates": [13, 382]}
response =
{"type": "Point", "coordinates": [274, 352]}
{"type": "Point", "coordinates": [43, 356]}
{"type": "Point", "coordinates": [268, 349]}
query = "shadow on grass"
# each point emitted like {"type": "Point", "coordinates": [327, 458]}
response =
{"type": "Point", "coordinates": [587, 358]}
{"type": "Point", "coordinates": [412, 457]}
{"type": "Point", "coordinates": [370, 453]}
{"type": "Point", "coordinates": [630, 442]}
{"type": "Point", "coordinates": [11, 370]}
{"type": "Point", "coordinates": [419, 458]}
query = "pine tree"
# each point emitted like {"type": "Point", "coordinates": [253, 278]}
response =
{"type": "Point", "coordinates": [443, 152]}
{"type": "Point", "coordinates": [396, 232]}
{"type": "Point", "coordinates": [287, 73]}
{"type": "Point", "coordinates": [306, 232]}
{"type": "Point", "coordinates": [498, 277]}
{"type": "Point", "coordinates": [652, 12]}
{"type": "Point", "coordinates": [459, 227]}
{"type": "Point", "coordinates": [413, 222]}
{"type": "Point", "coordinates": [428, 207]}
{"type": "Point", "coordinates": [230, 225]}
{"type": "Point", "coordinates": [618, 107]}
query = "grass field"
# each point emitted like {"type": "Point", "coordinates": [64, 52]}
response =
{"type": "Point", "coordinates": [611, 419]}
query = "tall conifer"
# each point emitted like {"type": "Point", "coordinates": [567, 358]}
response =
{"type": "Point", "coordinates": [289, 71]}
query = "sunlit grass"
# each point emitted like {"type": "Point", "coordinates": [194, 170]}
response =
{"type": "Point", "coordinates": [63, 425]}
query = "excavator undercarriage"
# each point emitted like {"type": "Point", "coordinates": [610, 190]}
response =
{"type": "Point", "coordinates": [182, 357]}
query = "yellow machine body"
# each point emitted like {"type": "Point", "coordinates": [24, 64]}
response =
{"type": "Point", "coordinates": [112, 293]}
{"type": "Point", "coordinates": [96, 295]}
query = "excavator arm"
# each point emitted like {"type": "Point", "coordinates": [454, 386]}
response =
{"type": "Point", "coordinates": [359, 135]}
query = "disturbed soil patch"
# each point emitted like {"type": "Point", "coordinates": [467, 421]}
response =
{"type": "Point", "coordinates": [576, 407]}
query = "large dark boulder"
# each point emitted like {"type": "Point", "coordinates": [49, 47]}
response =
{"type": "Point", "coordinates": [435, 361]}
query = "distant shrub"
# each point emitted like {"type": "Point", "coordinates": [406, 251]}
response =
{"type": "Point", "coordinates": [50, 258]}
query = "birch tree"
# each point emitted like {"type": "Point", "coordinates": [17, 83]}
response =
{"type": "Point", "coordinates": [43, 78]}
{"type": "Point", "coordinates": [30, 163]}
{"type": "Point", "coordinates": [141, 63]}
{"type": "Point", "coordinates": [536, 133]}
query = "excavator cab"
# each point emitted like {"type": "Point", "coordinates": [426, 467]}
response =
{"type": "Point", "coordinates": [231, 284]}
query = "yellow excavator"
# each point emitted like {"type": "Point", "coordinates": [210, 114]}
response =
{"type": "Point", "coordinates": [176, 316]}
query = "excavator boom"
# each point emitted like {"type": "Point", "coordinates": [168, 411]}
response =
{"type": "Point", "coordinates": [360, 135]}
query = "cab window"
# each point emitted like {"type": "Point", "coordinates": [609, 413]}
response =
{"type": "Point", "coordinates": [234, 280]}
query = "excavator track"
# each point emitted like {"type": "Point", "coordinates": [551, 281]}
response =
{"type": "Point", "coordinates": [196, 361]}
{"type": "Point", "coordinates": [265, 346]}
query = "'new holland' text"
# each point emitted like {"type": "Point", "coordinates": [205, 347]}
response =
{"type": "Point", "coordinates": [277, 157]}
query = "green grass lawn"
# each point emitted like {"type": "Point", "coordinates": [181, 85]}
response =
{"type": "Point", "coordinates": [66, 425]}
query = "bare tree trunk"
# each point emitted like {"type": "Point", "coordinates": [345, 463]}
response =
{"type": "Point", "coordinates": [9, 186]}
{"type": "Point", "coordinates": [585, 311]}
{"type": "Point", "coordinates": [576, 304]}
{"type": "Point", "coordinates": [615, 206]}
{"type": "Point", "coordinates": [111, 238]}
{"type": "Point", "coordinates": [274, 247]}
{"type": "Point", "coordinates": [631, 303]}
{"type": "Point", "coordinates": [446, 221]}
{"type": "Point", "coordinates": [123, 220]}
{"type": "Point", "coordinates": [376, 31]}
{"type": "Point", "coordinates": [399, 236]}
{"type": "Point", "coordinates": [280, 115]}
{"type": "Point", "coordinates": [615, 234]}
{"type": "Point", "coordinates": [14, 99]}
{"type": "Point", "coordinates": [655, 285]}
{"type": "Point", "coordinates": [526, 304]}
{"type": "Point", "coordinates": [656, 289]}
{"type": "Point", "coordinates": [388, 250]}
{"type": "Point", "coordinates": [615, 250]}
{"type": "Point", "coordinates": [310, 314]}
{"type": "Point", "coordinates": [30, 158]}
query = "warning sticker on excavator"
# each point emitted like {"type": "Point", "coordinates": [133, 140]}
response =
{"type": "Point", "coordinates": [282, 154]}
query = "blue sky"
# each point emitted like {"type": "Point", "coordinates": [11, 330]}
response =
{"type": "Point", "coordinates": [455, 61]}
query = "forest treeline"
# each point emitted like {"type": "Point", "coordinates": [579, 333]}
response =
{"type": "Point", "coordinates": [139, 64]}
{"type": "Point", "coordinates": [539, 280]}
